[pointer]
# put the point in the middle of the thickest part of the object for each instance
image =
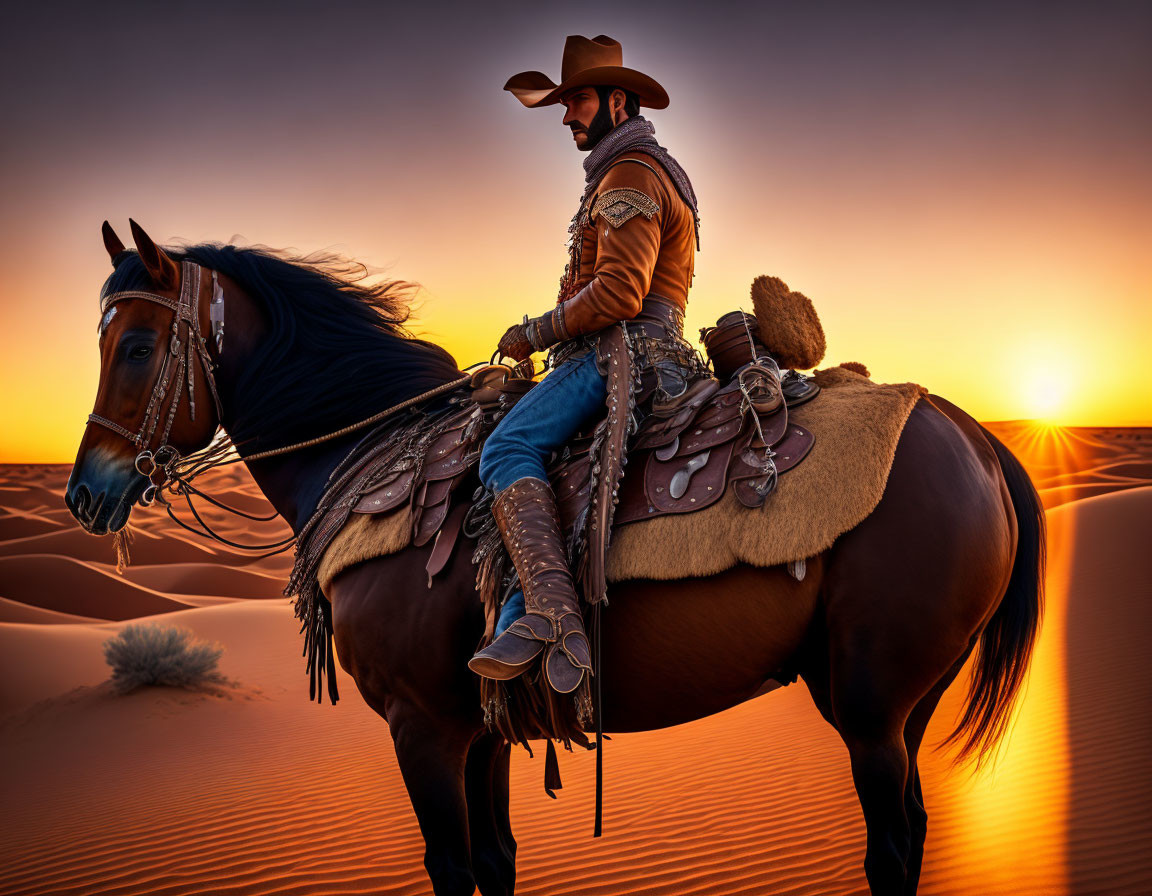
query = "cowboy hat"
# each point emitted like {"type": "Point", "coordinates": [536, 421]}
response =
{"type": "Point", "coordinates": [587, 63]}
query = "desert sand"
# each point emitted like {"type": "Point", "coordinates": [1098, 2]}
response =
{"type": "Point", "coordinates": [252, 789]}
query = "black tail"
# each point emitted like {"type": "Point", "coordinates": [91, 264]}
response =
{"type": "Point", "coordinates": [1007, 641]}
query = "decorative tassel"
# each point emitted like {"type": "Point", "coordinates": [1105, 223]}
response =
{"type": "Point", "coordinates": [552, 781]}
{"type": "Point", "coordinates": [120, 541]}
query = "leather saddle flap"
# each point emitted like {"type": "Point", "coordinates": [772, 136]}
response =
{"type": "Point", "coordinates": [661, 429]}
{"type": "Point", "coordinates": [787, 452]}
{"type": "Point", "coordinates": [428, 519]}
{"type": "Point", "coordinates": [684, 484]}
{"type": "Point", "coordinates": [430, 505]}
{"type": "Point", "coordinates": [720, 422]}
{"type": "Point", "coordinates": [388, 495]}
{"type": "Point", "coordinates": [447, 456]}
{"type": "Point", "coordinates": [746, 475]}
{"type": "Point", "coordinates": [709, 412]}
{"type": "Point", "coordinates": [431, 493]}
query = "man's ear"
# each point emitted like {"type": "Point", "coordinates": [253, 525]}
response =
{"type": "Point", "coordinates": [616, 103]}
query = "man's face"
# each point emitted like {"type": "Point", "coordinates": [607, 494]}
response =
{"type": "Point", "coordinates": [581, 106]}
{"type": "Point", "coordinates": [589, 119]}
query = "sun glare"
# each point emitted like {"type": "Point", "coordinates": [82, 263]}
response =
{"type": "Point", "coordinates": [1046, 396]}
{"type": "Point", "coordinates": [1045, 388]}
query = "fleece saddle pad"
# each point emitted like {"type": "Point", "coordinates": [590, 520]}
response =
{"type": "Point", "coordinates": [856, 425]}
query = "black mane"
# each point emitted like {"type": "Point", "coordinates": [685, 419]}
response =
{"type": "Point", "coordinates": [337, 350]}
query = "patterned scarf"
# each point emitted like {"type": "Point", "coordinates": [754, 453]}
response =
{"type": "Point", "coordinates": [636, 134]}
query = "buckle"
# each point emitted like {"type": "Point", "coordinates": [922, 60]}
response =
{"type": "Point", "coordinates": [145, 457]}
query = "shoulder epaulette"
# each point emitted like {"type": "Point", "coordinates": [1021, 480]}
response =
{"type": "Point", "coordinates": [620, 205]}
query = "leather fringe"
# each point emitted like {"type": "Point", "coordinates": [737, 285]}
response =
{"type": "Point", "coordinates": [525, 709]}
{"type": "Point", "coordinates": [315, 613]}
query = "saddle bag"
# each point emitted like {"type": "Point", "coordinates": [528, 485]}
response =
{"type": "Point", "coordinates": [732, 343]}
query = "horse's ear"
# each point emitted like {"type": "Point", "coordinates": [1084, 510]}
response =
{"type": "Point", "coordinates": [111, 241]}
{"type": "Point", "coordinates": [164, 271]}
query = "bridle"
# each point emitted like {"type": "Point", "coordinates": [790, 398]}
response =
{"type": "Point", "coordinates": [186, 345]}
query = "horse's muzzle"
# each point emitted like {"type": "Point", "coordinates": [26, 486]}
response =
{"type": "Point", "coordinates": [101, 492]}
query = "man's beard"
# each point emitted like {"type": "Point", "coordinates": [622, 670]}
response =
{"type": "Point", "coordinates": [599, 127]}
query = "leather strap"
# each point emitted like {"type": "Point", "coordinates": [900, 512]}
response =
{"type": "Point", "coordinates": [445, 541]}
{"type": "Point", "coordinates": [614, 359]}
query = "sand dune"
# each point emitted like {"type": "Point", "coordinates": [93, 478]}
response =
{"type": "Point", "coordinates": [206, 578]}
{"type": "Point", "coordinates": [22, 525]}
{"type": "Point", "coordinates": [1109, 694]}
{"type": "Point", "coordinates": [256, 790]}
{"type": "Point", "coordinates": [78, 588]}
{"type": "Point", "coordinates": [79, 545]}
{"type": "Point", "coordinates": [1063, 494]}
{"type": "Point", "coordinates": [14, 611]}
{"type": "Point", "coordinates": [43, 662]}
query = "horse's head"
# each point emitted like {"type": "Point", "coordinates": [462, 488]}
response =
{"type": "Point", "coordinates": [157, 398]}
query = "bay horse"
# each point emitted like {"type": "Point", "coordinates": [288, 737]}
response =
{"type": "Point", "coordinates": [951, 561]}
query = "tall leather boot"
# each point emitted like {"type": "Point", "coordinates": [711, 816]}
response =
{"type": "Point", "coordinates": [528, 520]}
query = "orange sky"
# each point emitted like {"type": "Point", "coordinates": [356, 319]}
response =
{"type": "Point", "coordinates": [964, 196]}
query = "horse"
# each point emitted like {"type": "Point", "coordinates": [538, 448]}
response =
{"type": "Point", "coordinates": [949, 563]}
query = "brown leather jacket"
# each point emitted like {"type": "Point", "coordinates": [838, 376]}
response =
{"type": "Point", "coordinates": [638, 238]}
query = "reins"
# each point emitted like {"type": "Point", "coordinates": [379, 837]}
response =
{"type": "Point", "coordinates": [375, 418]}
{"type": "Point", "coordinates": [177, 482]}
{"type": "Point", "coordinates": [177, 472]}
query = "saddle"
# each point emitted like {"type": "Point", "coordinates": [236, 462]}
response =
{"type": "Point", "coordinates": [684, 462]}
{"type": "Point", "coordinates": [683, 457]}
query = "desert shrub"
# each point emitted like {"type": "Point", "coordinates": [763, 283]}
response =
{"type": "Point", "coordinates": [161, 654]}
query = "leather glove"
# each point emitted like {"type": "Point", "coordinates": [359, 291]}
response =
{"type": "Point", "coordinates": [514, 343]}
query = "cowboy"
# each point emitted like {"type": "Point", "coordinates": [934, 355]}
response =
{"type": "Point", "coordinates": [632, 246]}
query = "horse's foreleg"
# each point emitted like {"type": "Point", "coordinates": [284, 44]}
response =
{"type": "Point", "coordinates": [489, 824]}
{"type": "Point", "coordinates": [432, 760]}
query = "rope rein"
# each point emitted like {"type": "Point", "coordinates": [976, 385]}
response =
{"type": "Point", "coordinates": [387, 412]}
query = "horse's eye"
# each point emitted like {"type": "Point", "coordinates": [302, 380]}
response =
{"type": "Point", "coordinates": [140, 352]}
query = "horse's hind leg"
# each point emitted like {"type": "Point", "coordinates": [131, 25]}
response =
{"type": "Point", "coordinates": [489, 824]}
{"type": "Point", "coordinates": [880, 772]}
{"type": "Point", "coordinates": [881, 762]}
{"type": "Point", "coordinates": [918, 825]}
{"type": "Point", "coordinates": [885, 683]}
{"type": "Point", "coordinates": [913, 794]}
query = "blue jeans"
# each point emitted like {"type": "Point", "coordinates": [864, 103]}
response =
{"type": "Point", "coordinates": [542, 422]}
{"type": "Point", "coordinates": [539, 425]}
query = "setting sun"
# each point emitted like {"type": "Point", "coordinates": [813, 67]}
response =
{"type": "Point", "coordinates": [1046, 390]}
